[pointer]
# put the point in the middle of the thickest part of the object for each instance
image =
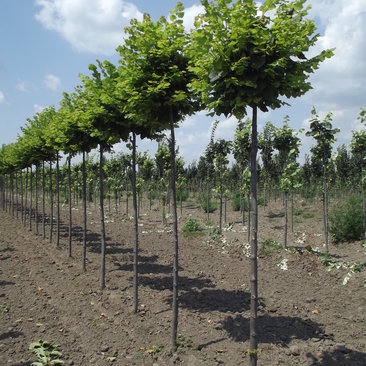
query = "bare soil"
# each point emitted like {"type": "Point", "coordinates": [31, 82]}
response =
{"type": "Point", "coordinates": [307, 316]}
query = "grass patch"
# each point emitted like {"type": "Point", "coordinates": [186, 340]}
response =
{"type": "Point", "coordinates": [269, 246]}
{"type": "Point", "coordinates": [192, 228]}
{"type": "Point", "coordinates": [308, 215]}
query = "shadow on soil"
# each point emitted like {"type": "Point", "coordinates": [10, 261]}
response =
{"type": "Point", "coordinates": [272, 329]}
{"type": "Point", "coordinates": [12, 334]}
{"type": "Point", "coordinates": [6, 283]}
{"type": "Point", "coordinates": [347, 357]}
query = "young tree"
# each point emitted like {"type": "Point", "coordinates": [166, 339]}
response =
{"type": "Point", "coordinates": [158, 94]}
{"type": "Point", "coordinates": [265, 144]}
{"type": "Point", "coordinates": [324, 134]}
{"type": "Point", "coordinates": [358, 146]}
{"type": "Point", "coordinates": [249, 58]}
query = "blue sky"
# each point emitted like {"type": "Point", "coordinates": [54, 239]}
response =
{"type": "Point", "coordinates": [45, 44]}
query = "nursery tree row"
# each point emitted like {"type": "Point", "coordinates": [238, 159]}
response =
{"type": "Point", "coordinates": [239, 58]}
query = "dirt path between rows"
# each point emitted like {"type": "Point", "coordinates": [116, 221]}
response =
{"type": "Point", "coordinates": [306, 315]}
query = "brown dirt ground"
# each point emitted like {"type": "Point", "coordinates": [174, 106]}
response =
{"type": "Point", "coordinates": [306, 315]}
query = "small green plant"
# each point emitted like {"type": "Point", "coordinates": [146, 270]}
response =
{"type": "Point", "coordinates": [4, 308]}
{"type": "Point", "coordinates": [47, 354]}
{"type": "Point", "coordinates": [192, 227]}
{"type": "Point", "coordinates": [308, 215]}
{"type": "Point", "coordinates": [154, 350]}
{"type": "Point", "coordinates": [183, 341]}
{"type": "Point", "coordinates": [212, 205]}
{"type": "Point", "coordinates": [346, 220]}
{"type": "Point", "coordinates": [269, 246]}
{"type": "Point", "coordinates": [298, 211]}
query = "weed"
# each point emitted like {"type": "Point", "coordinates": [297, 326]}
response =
{"type": "Point", "coordinates": [192, 227]}
{"type": "Point", "coordinates": [212, 205]}
{"type": "Point", "coordinates": [183, 342]}
{"type": "Point", "coordinates": [308, 215]}
{"type": "Point", "coordinates": [269, 246]}
{"type": "Point", "coordinates": [298, 211]}
{"type": "Point", "coordinates": [346, 220]}
{"type": "Point", "coordinates": [4, 308]}
{"type": "Point", "coordinates": [154, 350]}
{"type": "Point", "coordinates": [46, 353]}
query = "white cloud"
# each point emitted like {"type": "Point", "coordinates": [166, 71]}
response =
{"type": "Point", "coordinates": [2, 97]}
{"type": "Point", "coordinates": [341, 81]}
{"type": "Point", "coordinates": [38, 108]}
{"type": "Point", "coordinates": [190, 16]}
{"type": "Point", "coordinates": [94, 26]}
{"type": "Point", "coordinates": [52, 82]}
{"type": "Point", "coordinates": [25, 86]}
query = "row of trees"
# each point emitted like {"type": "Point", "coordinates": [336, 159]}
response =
{"type": "Point", "coordinates": [238, 56]}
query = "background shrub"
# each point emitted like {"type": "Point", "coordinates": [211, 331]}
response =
{"type": "Point", "coordinates": [345, 220]}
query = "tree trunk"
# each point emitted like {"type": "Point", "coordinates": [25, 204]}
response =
{"type": "Point", "coordinates": [249, 216]}
{"type": "Point", "coordinates": [51, 203]}
{"type": "Point", "coordinates": [31, 198]}
{"type": "Point", "coordinates": [292, 211]}
{"type": "Point", "coordinates": [136, 227]}
{"type": "Point", "coordinates": [12, 194]}
{"type": "Point", "coordinates": [26, 197]}
{"type": "Point", "coordinates": [175, 233]}
{"type": "Point", "coordinates": [325, 204]}
{"type": "Point", "coordinates": [70, 205]}
{"type": "Point", "coordinates": [208, 195]}
{"type": "Point", "coordinates": [21, 197]}
{"type": "Point", "coordinates": [43, 202]}
{"type": "Point", "coordinates": [253, 351]}
{"type": "Point", "coordinates": [286, 220]}
{"type": "Point", "coordinates": [58, 199]}
{"type": "Point", "coordinates": [36, 205]}
{"type": "Point", "coordinates": [220, 219]}
{"type": "Point", "coordinates": [84, 213]}
{"type": "Point", "coordinates": [16, 195]}
{"type": "Point", "coordinates": [102, 225]}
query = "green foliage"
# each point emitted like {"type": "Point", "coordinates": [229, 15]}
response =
{"type": "Point", "coordinates": [212, 205]}
{"type": "Point", "coordinates": [4, 308]}
{"type": "Point", "coordinates": [245, 58]}
{"type": "Point", "coordinates": [192, 227]}
{"type": "Point", "coordinates": [184, 342]}
{"type": "Point", "coordinates": [308, 215]}
{"type": "Point", "coordinates": [346, 220]}
{"type": "Point", "coordinates": [46, 353]}
{"type": "Point", "coordinates": [269, 246]}
{"type": "Point", "coordinates": [235, 201]}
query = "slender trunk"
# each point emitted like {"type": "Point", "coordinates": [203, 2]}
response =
{"type": "Point", "coordinates": [115, 201]}
{"type": "Point", "coordinates": [58, 199]}
{"type": "Point", "coordinates": [292, 211]}
{"type": "Point", "coordinates": [249, 216]}
{"type": "Point", "coordinates": [12, 193]}
{"type": "Point", "coordinates": [175, 233]}
{"type": "Point", "coordinates": [3, 192]}
{"type": "Point", "coordinates": [253, 352]}
{"type": "Point", "coordinates": [51, 203]}
{"type": "Point", "coordinates": [70, 206]}
{"type": "Point", "coordinates": [363, 200]}
{"type": "Point", "coordinates": [181, 201]}
{"type": "Point", "coordinates": [102, 225]}
{"type": "Point", "coordinates": [43, 202]}
{"type": "Point", "coordinates": [136, 247]}
{"type": "Point", "coordinates": [26, 197]}
{"type": "Point", "coordinates": [31, 198]}
{"type": "Point", "coordinates": [127, 191]}
{"type": "Point", "coordinates": [84, 213]}
{"type": "Point", "coordinates": [21, 197]}
{"type": "Point", "coordinates": [220, 219]}
{"type": "Point", "coordinates": [286, 221]}
{"type": "Point", "coordinates": [208, 195]}
{"type": "Point", "coordinates": [16, 195]}
{"type": "Point", "coordinates": [325, 204]}
{"type": "Point", "coordinates": [225, 208]}
{"type": "Point", "coordinates": [36, 206]}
